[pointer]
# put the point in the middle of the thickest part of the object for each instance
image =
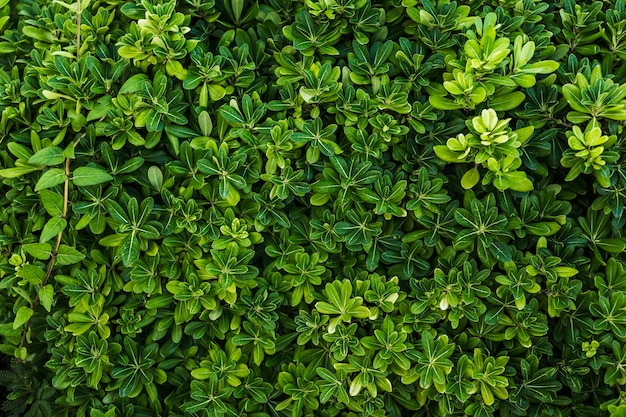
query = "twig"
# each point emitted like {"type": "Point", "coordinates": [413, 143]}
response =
{"type": "Point", "coordinates": [55, 251]}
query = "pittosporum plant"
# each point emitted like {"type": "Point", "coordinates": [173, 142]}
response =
{"type": "Point", "coordinates": [312, 207]}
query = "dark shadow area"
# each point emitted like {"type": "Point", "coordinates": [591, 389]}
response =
{"type": "Point", "coordinates": [5, 366]}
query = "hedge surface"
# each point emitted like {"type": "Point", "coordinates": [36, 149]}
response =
{"type": "Point", "coordinates": [313, 208]}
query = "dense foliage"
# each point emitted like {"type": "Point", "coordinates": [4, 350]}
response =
{"type": "Point", "coordinates": [313, 208]}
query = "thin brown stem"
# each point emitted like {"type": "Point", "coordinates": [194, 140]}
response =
{"type": "Point", "coordinates": [55, 251]}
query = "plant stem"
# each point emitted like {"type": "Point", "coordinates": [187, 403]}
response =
{"type": "Point", "coordinates": [55, 251]}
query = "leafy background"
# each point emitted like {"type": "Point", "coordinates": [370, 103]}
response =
{"type": "Point", "coordinates": [313, 208]}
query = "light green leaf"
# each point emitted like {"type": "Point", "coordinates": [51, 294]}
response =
{"type": "Point", "coordinates": [216, 92]}
{"type": "Point", "coordinates": [19, 150]}
{"type": "Point", "coordinates": [46, 297]}
{"type": "Point", "coordinates": [518, 181]}
{"type": "Point", "coordinates": [52, 202]}
{"type": "Point", "coordinates": [206, 125]}
{"type": "Point", "coordinates": [52, 155]}
{"type": "Point", "coordinates": [85, 176]}
{"type": "Point", "coordinates": [155, 176]}
{"type": "Point", "coordinates": [72, 7]}
{"type": "Point", "coordinates": [50, 178]}
{"type": "Point", "coordinates": [319, 199]}
{"type": "Point", "coordinates": [23, 315]}
{"type": "Point", "coordinates": [542, 67]}
{"type": "Point", "coordinates": [41, 251]}
{"type": "Point", "coordinates": [112, 241]}
{"type": "Point", "coordinates": [573, 97]}
{"type": "Point", "coordinates": [18, 171]}
{"type": "Point", "coordinates": [441, 103]}
{"type": "Point", "coordinates": [446, 155]}
{"type": "Point", "coordinates": [470, 178]}
{"type": "Point", "coordinates": [543, 228]}
{"type": "Point", "coordinates": [134, 83]}
{"type": "Point", "coordinates": [31, 273]}
{"type": "Point", "coordinates": [565, 271]}
{"type": "Point", "coordinates": [53, 227]}
{"type": "Point", "coordinates": [507, 101]}
{"type": "Point", "coordinates": [577, 117]}
{"type": "Point", "coordinates": [202, 373]}
{"type": "Point", "coordinates": [231, 115]}
{"type": "Point", "coordinates": [68, 255]}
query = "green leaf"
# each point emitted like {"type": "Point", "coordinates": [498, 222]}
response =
{"type": "Point", "coordinates": [18, 171]}
{"type": "Point", "coordinates": [543, 228]}
{"type": "Point", "coordinates": [216, 92]}
{"type": "Point", "coordinates": [155, 176]}
{"type": "Point", "coordinates": [85, 176]}
{"type": "Point", "coordinates": [46, 297]}
{"type": "Point", "coordinates": [319, 199]}
{"type": "Point", "coordinates": [501, 251]}
{"type": "Point", "coordinates": [470, 178]}
{"type": "Point", "coordinates": [38, 34]}
{"type": "Point", "coordinates": [52, 202]}
{"type": "Point", "coordinates": [231, 115]}
{"type": "Point", "coordinates": [523, 185]}
{"type": "Point", "coordinates": [112, 241]}
{"type": "Point", "coordinates": [53, 227]}
{"type": "Point", "coordinates": [32, 273]}
{"type": "Point", "coordinates": [50, 178]}
{"type": "Point", "coordinates": [441, 103]}
{"type": "Point", "coordinates": [134, 84]}
{"type": "Point", "coordinates": [129, 249]}
{"type": "Point", "coordinates": [19, 150]}
{"type": "Point", "coordinates": [507, 102]}
{"type": "Point", "coordinates": [612, 245]}
{"type": "Point", "coordinates": [52, 155]}
{"type": "Point", "coordinates": [446, 155]}
{"type": "Point", "coordinates": [23, 315]}
{"type": "Point", "coordinates": [68, 255]}
{"type": "Point", "coordinates": [206, 125]}
{"type": "Point", "coordinates": [542, 67]}
{"type": "Point", "coordinates": [573, 97]}
{"type": "Point", "coordinates": [131, 165]}
{"type": "Point", "coordinates": [41, 251]}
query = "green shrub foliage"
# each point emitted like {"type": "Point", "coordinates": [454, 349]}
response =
{"type": "Point", "coordinates": [327, 208]}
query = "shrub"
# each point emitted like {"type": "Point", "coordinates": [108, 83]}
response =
{"type": "Point", "coordinates": [313, 208]}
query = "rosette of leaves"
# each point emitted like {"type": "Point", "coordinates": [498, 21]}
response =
{"type": "Point", "coordinates": [581, 26]}
{"type": "Point", "coordinates": [486, 73]}
{"type": "Point", "coordinates": [492, 145]}
{"type": "Point", "coordinates": [484, 230]}
{"type": "Point", "coordinates": [437, 22]}
{"type": "Point", "coordinates": [160, 104]}
{"type": "Point", "coordinates": [309, 37]}
{"type": "Point", "coordinates": [342, 304]}
{"type": "Point", "coordinates": [368, 64]}
{"type": "Point", "coordinates": [207, 75]}
{"type": "Point", "coordinates": [134, 230]}
{"type": "Point", "coordinates": [589, 153]}
{"type": "Point", "coordinates": [157, 37]}
{"type": "Point", "coordinates": [592, 96]}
